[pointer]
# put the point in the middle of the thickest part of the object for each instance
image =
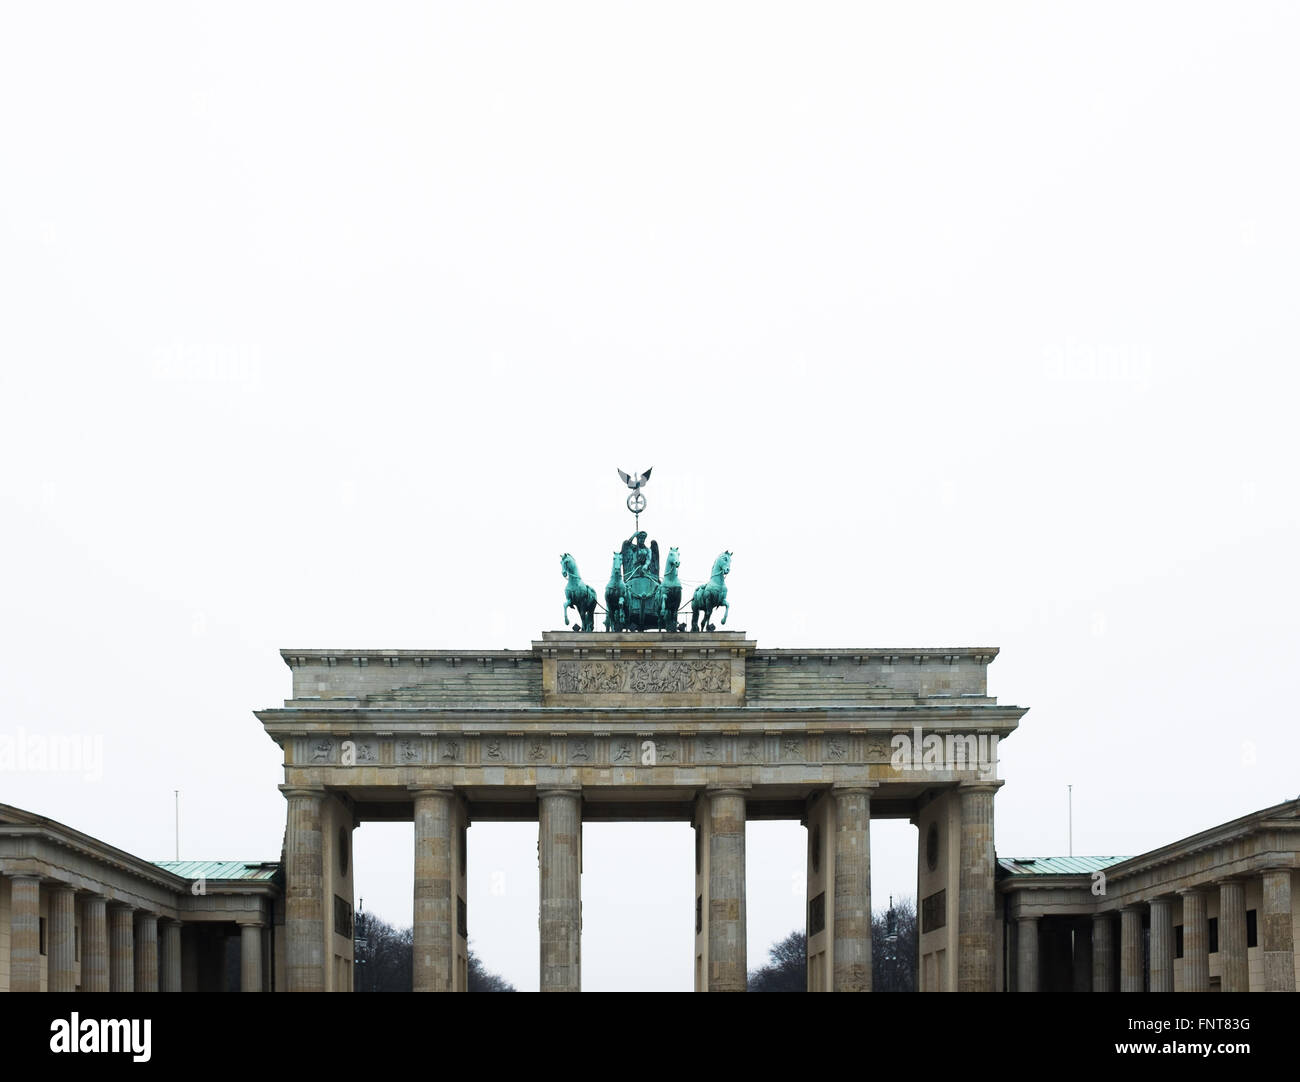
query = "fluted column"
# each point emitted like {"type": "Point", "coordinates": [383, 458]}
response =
{"type": "Point", "coordinates": [146, 952]}
{"type": "Point", "coordinates": [1162, 945]}
{"type": "Point", "coordinates": [1130, 949]}
{"type": "Point", "coordinates": [1081, 963]}
{"type": "Point", "coordinates": [94, 944]}
{"type": "Point", "coordinates": [169, 956]}
{"type": "Point", "coordinates": [1027, 954]}
{"type": "Point", "coordinates": [189, 958]}
{"type": "Point", "coordinates": [435, 915]}
{"type": "Point", "coordinates": [852, 906]}
{"type": "Point", "coordinates": [975, 908]}
{"type": "Point", "coordinates": [304, 893]}
{"type": "Point", "coordinates": [62, 945]}
{"type": "Point", "coordinates": [727, 972]}
{"type": "Point", "coordinates": [1196, 941]}
{"type": "Point", "coordinates": [559, 865]}
{"type": "Point", "coordinates": [1276, 936]}
{"type": "Point", "coordinates": [121, 949]}
{"type": "Point", "coordinates": [25, 934]}
{"type": "Point", "coordinates": [1103, 952]}
{"type": "Point", "coordinates": [1232, 936]}
{"type": "Point", "coordinates": [250, 957]}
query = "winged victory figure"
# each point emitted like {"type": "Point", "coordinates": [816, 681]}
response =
{"type": "Point", "coordinates": [639, 559]}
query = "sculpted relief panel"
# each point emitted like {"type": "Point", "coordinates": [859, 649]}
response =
{"type": "Point", "coordinates": [642, 677]}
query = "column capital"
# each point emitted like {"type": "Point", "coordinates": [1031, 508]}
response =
{"type": "Point", "coordinates": [250, 922]}
{"type": "Point", "coordinates": [850, 788]}
{"type": "Point", "coordinates": [572, 790]}
{"type": "Point", "coordinates": [727, 790]}
{"type": "Point", "coordinates": [1184, 892]}
{"type": "Point", "coordinates": [291, 791]}
{"type": "Point", "coordinates": [432, 790]}
{"type": "Point", "coordinates": [990, 786]}
{"type": "Point", "coordinates": [1029, 916]}
{"type": "Point", "coordinates": [1133, 907]}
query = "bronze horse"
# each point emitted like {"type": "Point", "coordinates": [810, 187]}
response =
{"type": "Point", "coordinates": [578, 595]}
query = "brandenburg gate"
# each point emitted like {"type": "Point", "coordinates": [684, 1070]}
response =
{"type": "Point", "coordinates": [646, 720]}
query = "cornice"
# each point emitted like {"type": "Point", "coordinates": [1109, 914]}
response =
{"type": "Point", "coordinates": [594, 644]}
{"type": "Point", "coordinates": [286, 719]}
{"type": "Point", "coordinates": [49, 831]}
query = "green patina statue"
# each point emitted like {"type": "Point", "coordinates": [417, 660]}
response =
{"type": "Point", "coordinates": [640, 590]}
{"type": "Point", "coordinates": [670, 593]}
{"type": "Point", "coordinates": [712, 595]}
{"type": "Point", "coordinates": [578, 595]}
{"type": "Point", "coordinates": [636, 599]}
{"type": "Point", "coordinates": [640, 560]}
{"type": "Point", "coordinates": [614, 594]}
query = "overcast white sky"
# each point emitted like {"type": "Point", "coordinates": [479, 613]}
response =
{"type": "Point", "coordinates": [327, 325]}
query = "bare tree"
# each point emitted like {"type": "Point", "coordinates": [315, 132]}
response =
{"type": "Point", "coordinates": [383, 960]}
{"type": "Point", "coordinates": [787, 967]}
{"type": "Point", "coordinates": [893, 955]}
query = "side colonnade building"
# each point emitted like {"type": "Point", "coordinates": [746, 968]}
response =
{"type": "Point", "coordinates": [77, 914]}
{"type": "Point", "coordinates": [1213, 912]}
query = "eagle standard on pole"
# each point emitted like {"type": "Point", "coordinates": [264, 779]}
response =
{"type": "Point", "coordinates": [636, 502]}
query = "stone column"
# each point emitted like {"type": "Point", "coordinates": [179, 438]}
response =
{"type": "Point", "coordinates": [304, 894]}
{"type": "Point", "coordinates": [169, 956]}
{"type": "Point", "coordinates": [435, 915]}
{"type": "Point", "coordinates": [1276, 936]}
{"type": "Point", "coordinates": [975, 908]}
{"type": "Point", "coordinates": [1103, 952]}
{"type": "Point", "coordinates": [146, 953]}
{"type": "Point", "coordinates": [1130, 949]}
{"type": "Point", "coordinates": [1162, 945]}
{"type": "Point", "coordinates": [62, 945]}
{"type": "Point", "coordinates": [1196, 941]}
{"type": "Point", "coordinates": [121, 949]}
{"type": "Point", "coordinates": [25, 934]}
{"type": "Point", "coordinates": [727, 972]}
{"type": "Point", "coordinates": [1232, 936]}
{"type": "Point", "coordinates": [1081, 963]}
{"type": "Point", "coordinates": [250, 956]}
{"type": "Point", "coordinates": [559, 863]}
{"type": "Point", "coordinates": [851, 950]}
{"type": "Point", "coordinates": [94, 944]}
{"type": "Point", "coordinates": [190, 958]}
{"type": "Point", "coordinates": [1027, 954]}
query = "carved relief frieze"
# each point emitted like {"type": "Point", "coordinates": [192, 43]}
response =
{"type": "Point", "coordinates": [648, 677]}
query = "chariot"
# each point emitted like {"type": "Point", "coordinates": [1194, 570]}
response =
{"type": "Point", "coordinates": [636, 598]}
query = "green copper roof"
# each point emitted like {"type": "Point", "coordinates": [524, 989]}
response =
{"type": "Point", "coordinates": [1055, 865]}
{"type": "Point", "coordinates": [220, 869]}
